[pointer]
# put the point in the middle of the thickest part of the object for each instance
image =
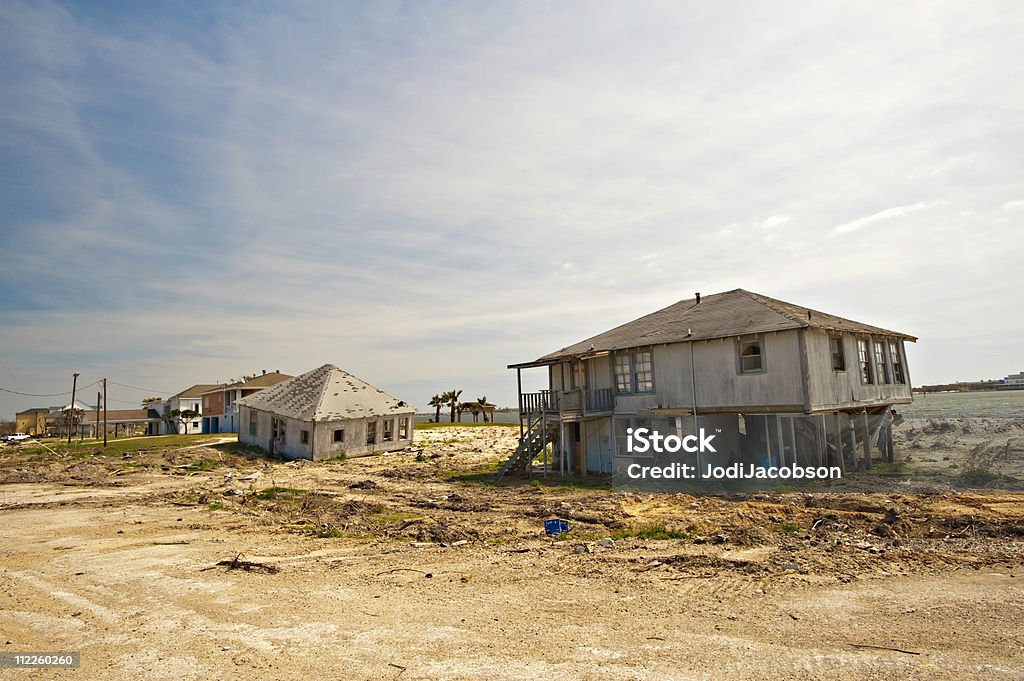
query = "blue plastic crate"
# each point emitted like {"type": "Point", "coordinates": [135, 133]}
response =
{"type": "Point", "coordinates": [556, 526]}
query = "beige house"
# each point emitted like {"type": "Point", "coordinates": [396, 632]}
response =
{"type": "Point", "coordinates": [773, 380]}
{"type": "Point", "coordinates": [324, 413]}
{"type": "Point", "coordinates": [31, 421]}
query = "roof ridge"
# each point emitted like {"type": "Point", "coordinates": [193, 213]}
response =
{"type": "Point", "coordinates": [328, 369]}
{"type": "Point", "coordinates": [764, 300]}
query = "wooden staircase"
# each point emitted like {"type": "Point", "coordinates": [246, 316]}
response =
{"type": "Point", "coordinates": [530, 445]}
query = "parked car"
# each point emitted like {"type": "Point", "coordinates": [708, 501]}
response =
{"type": "Point", "coordinates": [16, 437]}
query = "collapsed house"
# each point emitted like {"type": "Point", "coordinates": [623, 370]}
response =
{"type": "Point", "coordinates": [322, 414]}
{"type": "Point", "coordinates": [775, 382]}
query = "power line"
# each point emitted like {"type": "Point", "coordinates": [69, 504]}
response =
{"type": "Point", "coordinates": [15, 392]}
{"type": "Point", "coordinates": [147, 390]}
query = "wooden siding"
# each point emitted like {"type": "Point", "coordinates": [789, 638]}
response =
{"type": "Point", "coordinates": [830, 389]}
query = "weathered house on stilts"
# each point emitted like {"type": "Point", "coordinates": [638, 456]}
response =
{"type": "Point", "coordinates": [774, 381]}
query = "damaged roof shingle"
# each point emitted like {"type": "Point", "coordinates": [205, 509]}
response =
{"type": "Point", "coordinates": [325, 394]}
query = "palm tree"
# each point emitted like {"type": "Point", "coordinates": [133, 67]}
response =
{"type": "Point", "coordinates": [482, 401]}
{"type": "Point", "coordinates": [452, 398]}
{"type": "Point", "coordinates": [437, 401]}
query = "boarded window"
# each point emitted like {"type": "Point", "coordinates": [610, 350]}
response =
{"type": "Point", "coordinates": [252, 422]}
{"type": "Point", "coordinates": [838, 356]}
{"type": "Point", "coordinates": [371, 432]}
{"type": "Point", "coordinates": [880, 364]}
{"type": "Point", "coordinates": [339, 435]}
{"type": "Point", "coordinates": [389, 430]}
{"type": "Point", "coordinates": [403, 428]}
{"type": "Point", "coordinates": [897, 364]}
{"type": "Point", "coordinates": [751, 357]}
{"type": "Point", "coordinates": [864, 358]}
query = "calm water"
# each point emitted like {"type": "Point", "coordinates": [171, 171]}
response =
{"type": "Point", "coordinates": [946, 405]}
{"type": "Point", "coordinates": [1005, 403]}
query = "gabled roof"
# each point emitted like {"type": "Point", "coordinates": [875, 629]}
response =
{"type": "Point", "coordinates": [325, 394]}
{"type": "Point", "coordinates": [195, 391]}
{"type": "Point", "coordinates": [262, 381]}
{"type": "Point", "coordinates": [720, 315]}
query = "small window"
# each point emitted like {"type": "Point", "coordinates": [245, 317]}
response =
{"type": "Point", "coordinates": [252, 422]}
{"type": "Point", "coordinates": [644, 371]}
{"type": "Point", "coordinates": [206, 402]}
{"type": "Point", "coordinates": [277, 429]}
{"type": "Point", "coordinates": [880, 363]}
{"type": "Point", "coordinates": [371, 432]}
{"type": "Point", "coordinates": [339, 435]}
{"type": "Point", "coordinates": [622, 373]}
{"type": "Point", "coordinates": [864, 358]}
{"type": "Point", "coordinates": [838, 355]}
{"type": "Point", "coordinates": [897, 364]}
{"type": "Point", "coordinates": [389, 430]}
{"type": "Point", "coordinates": [751, 357]}
{"type": "Point", "coordinates": [403, 428]}
{"type": "Point", "coordinates": [304, 436]}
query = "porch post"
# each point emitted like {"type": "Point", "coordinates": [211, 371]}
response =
{"type": "Point", "coordinates": [867, 441]}
{"type": "Point", "coordinates": [519, 389]}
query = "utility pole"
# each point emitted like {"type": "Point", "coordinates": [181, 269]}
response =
{"type": "Point", "coordinates": [104, 412]}
{"type": "Point", "coordinates": [71, 412]}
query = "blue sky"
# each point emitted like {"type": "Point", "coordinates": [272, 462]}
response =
{"type": "Point", "coordinates": [423, 193]}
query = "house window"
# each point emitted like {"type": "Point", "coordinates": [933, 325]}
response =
{"type": "Point", "coordinates": [252, 422]}
{"type": "Point", "coordinates": [389, 430]}
{"type": "Point", "coordinates": [339, 435]}
{"type": "Point", "coordinates": [880, 363]}
{"type": "Point", "coordinates": [751, 357]}
{"type": "Point", "coordinates": [371, 432]}
{"type": "Point", "coordinates": [304, 436]}
{"type": "Point", "coordinates": [206, 403]}
{"type": "Point", "coordinates": [622, 373]}
{"type": "Point", "coordinates": [897, 364]}
{"type": "Point", "coordinates": [644, 371]}
{"type": "Point", "coordinates": [864, 358]}
{"type": "Point", "coordinates": [403, 428]}
{"type": "Point", "coordinates": [277, 429]}
{"type": "Point", "coordinates": [838, 356]}
{"type": "Point", "coordinates": [634, 371]}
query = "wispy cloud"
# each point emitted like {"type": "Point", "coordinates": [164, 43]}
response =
{"type": "Point", "coordinates": [887, 214]}
{"type": "Point", "coordinates": [773, 221]}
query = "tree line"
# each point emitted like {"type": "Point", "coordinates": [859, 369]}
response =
{"type": "Point", "coordinates": [451, 400]}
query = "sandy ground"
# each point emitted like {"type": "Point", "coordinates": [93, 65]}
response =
{"type": "Point", "coordinates": [412, 566]}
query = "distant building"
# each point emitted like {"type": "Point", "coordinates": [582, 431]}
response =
{"type": "Point", "coordinates": [190, 399]}
{"type": "Point", "coordinates": [324, 413]}
{"type": "Point", "coordinates": [1013, 381]}
{"type": "Point", "coordinates": [31, 421]}
{"type": "Point", "coordinates": [220, 410]}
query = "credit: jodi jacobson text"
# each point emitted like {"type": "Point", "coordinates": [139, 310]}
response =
{"type": "Point", "coordinates": [735, 471]}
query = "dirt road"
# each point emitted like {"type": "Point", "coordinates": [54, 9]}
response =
{"type": "Point", "coordinates": [408, 566]}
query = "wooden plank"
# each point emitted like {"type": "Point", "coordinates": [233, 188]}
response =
{"type": "Point", "coordinates": [867, 441]}
{"type": "Point", "coordinates": [782, 445]}
{"type": "Point", "coordinates": [820, 427]}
